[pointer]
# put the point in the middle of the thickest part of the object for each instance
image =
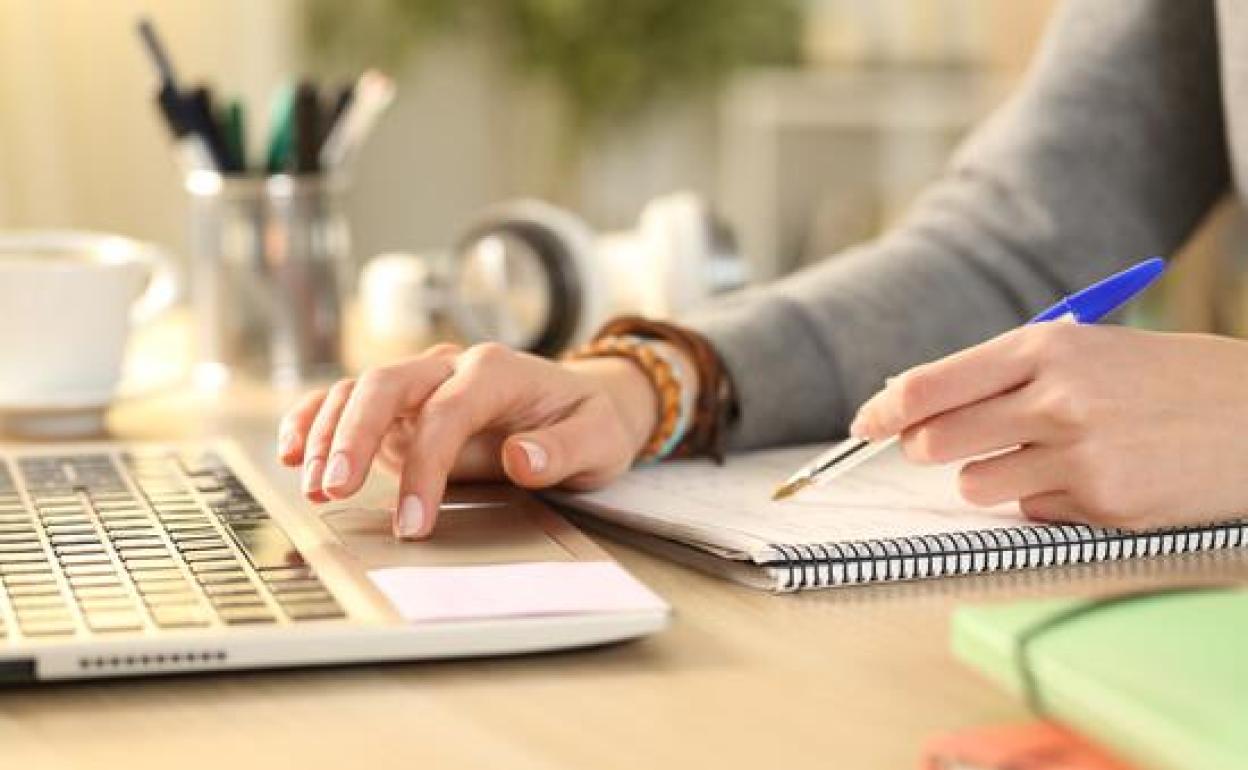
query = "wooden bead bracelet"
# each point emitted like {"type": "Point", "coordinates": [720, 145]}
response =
{"type": "Point", "coordinates": [675, 405]}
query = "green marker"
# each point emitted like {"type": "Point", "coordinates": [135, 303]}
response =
{"type": "Point", "coordinates": [236, 135]}
{"type": "Point", "coordinates": [281, 129]}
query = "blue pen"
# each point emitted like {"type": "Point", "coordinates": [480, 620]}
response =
{"type": "Point", "coordinates": [1087, 306]}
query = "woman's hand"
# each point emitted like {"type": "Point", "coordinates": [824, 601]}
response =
{"type": "Point", "coordinates": [1104, 425]}
{"type": "Point", "coordinates": [484, 413]}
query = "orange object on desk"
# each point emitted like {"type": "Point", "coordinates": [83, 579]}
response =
{"type": "Point", "coordinates": [1019, 746]}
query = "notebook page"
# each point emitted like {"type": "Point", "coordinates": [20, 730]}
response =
{"type": "Point", "coordinates": [729, 509]}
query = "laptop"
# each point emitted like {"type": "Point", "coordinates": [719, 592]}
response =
{"type": "Point", "coordinates": [132, 559]}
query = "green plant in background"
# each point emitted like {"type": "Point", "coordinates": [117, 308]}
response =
{"type": "Point", "coordinates": [609, 60]}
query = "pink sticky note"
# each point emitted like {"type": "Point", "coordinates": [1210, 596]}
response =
{"type": "Point", "coordinates": [512, 590]}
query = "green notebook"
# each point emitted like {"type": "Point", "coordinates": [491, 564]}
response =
{"type": "Point", "coordinates": [1162, 680]}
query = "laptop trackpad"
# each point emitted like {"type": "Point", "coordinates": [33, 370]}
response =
{"type": "Point", "coordinates": [474, 531]}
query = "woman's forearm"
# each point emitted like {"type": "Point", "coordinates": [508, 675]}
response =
{"type": "Point", "coordinates": [1112, 150]}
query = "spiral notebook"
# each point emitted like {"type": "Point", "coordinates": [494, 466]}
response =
{"type": "Point", "coordinates": [886, 520]}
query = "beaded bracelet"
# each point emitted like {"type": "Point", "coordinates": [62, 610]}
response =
{"type": "Point", "coordinates": [675, 403]}
{"type": "Point", "coordinates": [715, 407]}
{"type": "Point", "coordinates": [688, 395]}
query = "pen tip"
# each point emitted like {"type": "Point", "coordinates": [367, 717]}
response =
{"type": "Point", "coordinates": [789, 488]}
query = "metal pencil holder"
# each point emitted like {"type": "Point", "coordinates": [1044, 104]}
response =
{"type": "Point", "coordinates": [270, 268]}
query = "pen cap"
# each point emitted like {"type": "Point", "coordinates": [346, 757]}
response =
{"type": "Point", "coordinates": [306, 129]}
{"type": "Point", "coordinates": [1104, 297]}
{"type": "Point", "coordinates": [173, 111]}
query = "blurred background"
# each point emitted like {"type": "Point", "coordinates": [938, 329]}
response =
{"type": "Point", "coordinates": [808, 124]}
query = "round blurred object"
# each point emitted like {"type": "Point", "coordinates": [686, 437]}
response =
{"type": "Point", "coordinates": [518, 279]}
{"type": "Point", "coordinates": [538, 278]}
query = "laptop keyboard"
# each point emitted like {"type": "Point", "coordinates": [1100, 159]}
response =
{"type": "Point", "coordinates": [111, 542]}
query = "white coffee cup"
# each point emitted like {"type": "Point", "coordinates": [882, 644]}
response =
{"type": "Point", "coordinates": [68, 300]}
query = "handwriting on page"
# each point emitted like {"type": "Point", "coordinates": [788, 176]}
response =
{"type": "Point", "coordinates": [730, 507]}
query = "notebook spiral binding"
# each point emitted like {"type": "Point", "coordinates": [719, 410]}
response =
{"type": "Point", "coordinates": [823, 565]}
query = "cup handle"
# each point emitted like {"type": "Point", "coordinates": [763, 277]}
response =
{"type": "Point", "coordinates": [164, 287]}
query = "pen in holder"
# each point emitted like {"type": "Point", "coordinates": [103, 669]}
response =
{"type": "Point", "coordinates": [270, 262]}
{"type": "Point", "coordinates": [270, 255]}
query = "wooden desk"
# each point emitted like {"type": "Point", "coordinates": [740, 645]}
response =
{"type": "Point", "coordinates": [850, 678]}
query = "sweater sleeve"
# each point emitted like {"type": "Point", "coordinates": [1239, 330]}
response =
{"type": "Point", "coordinates": [1111, 150]}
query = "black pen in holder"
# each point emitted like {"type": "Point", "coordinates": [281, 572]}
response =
{"type": "Point", "coordinates": [271, 267]}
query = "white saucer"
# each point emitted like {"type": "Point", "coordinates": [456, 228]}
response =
{"type": "Point", "coordinates": [59, 402]}
{"type": "Point", "coordinates": [63, 416]}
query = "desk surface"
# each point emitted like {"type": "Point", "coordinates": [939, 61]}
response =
{"type": "Point", "coordinates": [849, 678]}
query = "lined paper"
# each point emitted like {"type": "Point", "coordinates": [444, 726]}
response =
{"type": "Point", "coordinates": [729, 509]}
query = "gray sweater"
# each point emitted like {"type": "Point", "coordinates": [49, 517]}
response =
{"type": "Point", "coordinates": [1125, 132]}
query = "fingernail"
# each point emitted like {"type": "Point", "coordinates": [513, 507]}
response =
{"type": "Point", "coordinates": [312, 474]}
{"type": "Point", "coordinates": [286, 442]}
{"type": "Point", "coordinates": [858, 428]}
{"type": "Point", "coordinates": [864, 418]}
{"type": "Point", "coordinates": [338, 472]}
{"type": "Point", "coordinates": [538, 459]}
{"type": "Point", "coordinates": [411, 516]}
